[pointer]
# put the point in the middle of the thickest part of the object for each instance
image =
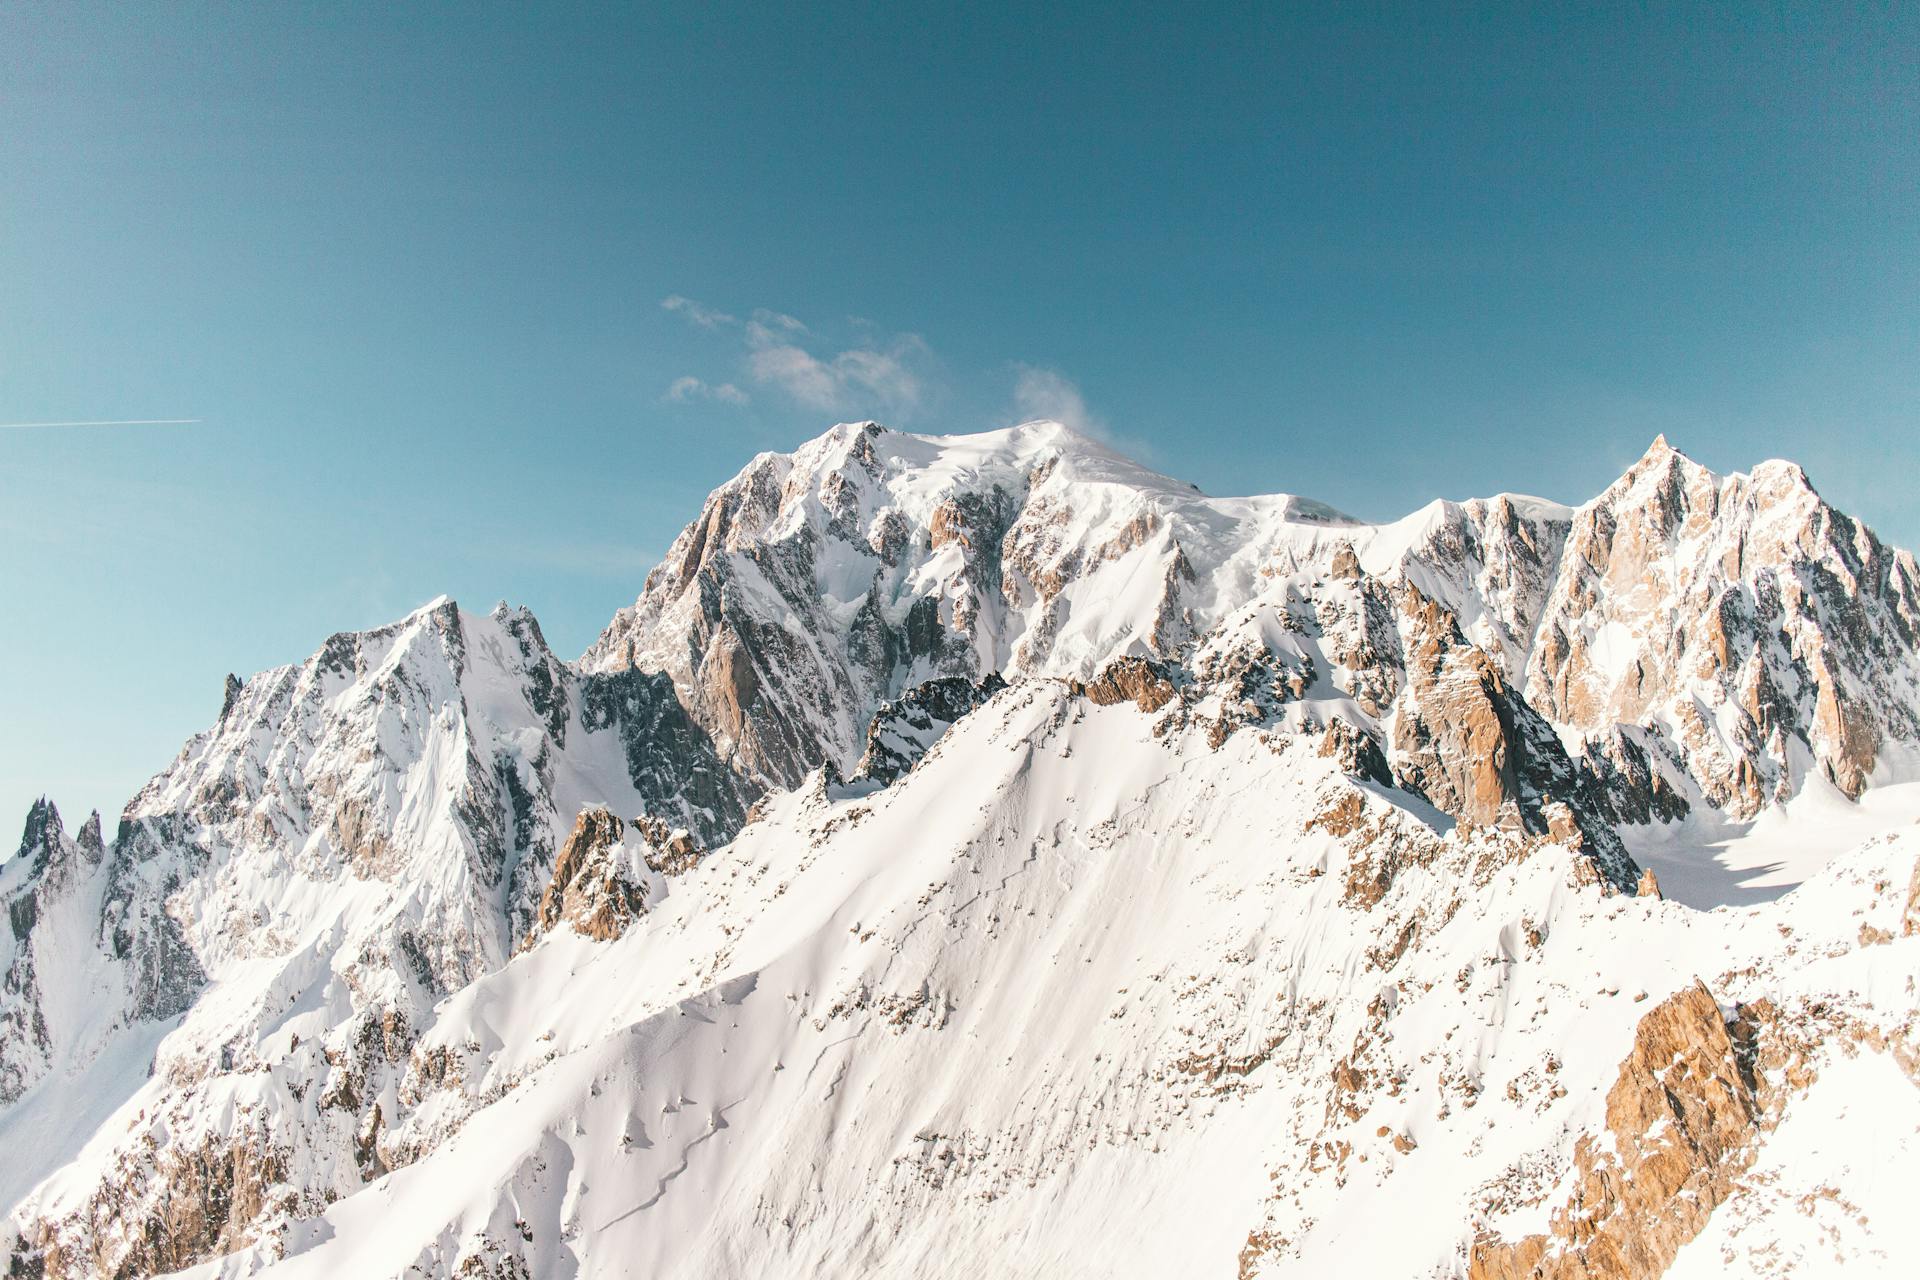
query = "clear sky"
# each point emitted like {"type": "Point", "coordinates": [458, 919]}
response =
{"type": "Point", "coordinates": [483, 298]}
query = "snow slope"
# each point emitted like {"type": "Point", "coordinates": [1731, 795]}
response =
{"type": "Point", "coordinates": [1213, 874]}
{"type": "Point", "coordinates": [1717, 639]}
{"type": "Point", "coordinates": [1080, 998]}
{"type": "Point", "coordinates": [357, 836]}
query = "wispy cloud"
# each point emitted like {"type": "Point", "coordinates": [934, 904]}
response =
{"type": "Point", "coordinates": [103, 422]}
{"type": "Point", "coordinates": [767, 320]}
{"type": "Point", "coordinates": [1050, 394]}
{"type": "Point", "coordinates": [859, 377]}
{"type": "Point", "coordinates": [705, 317]}
{"type": "Point", "coordinates": [1040, 392]}
{"type": "Point", "coordinates": [875, 373]}
{"type": "Point", "coordinates": [689, 388]}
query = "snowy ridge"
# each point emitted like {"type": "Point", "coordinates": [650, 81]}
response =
{"type": "Point", "coordinates": [1210, 873]}
{"type": "Point", "coordinates": [358, 835]}
{"type": "Point", "coordinates": [1762, 634]}
{"type": "Point", "coordinates": [817, 585]}
{"type": "Point", "coordinates": [1110, 992]}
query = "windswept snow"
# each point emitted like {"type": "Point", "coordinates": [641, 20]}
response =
{"type": "Point", "coordinates": [1230, 888]}
{"type": "Point", "coordinates": [1070, 999]}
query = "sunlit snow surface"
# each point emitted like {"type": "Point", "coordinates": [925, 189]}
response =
{"type": "Point", "coordinates": [949, 1028]}
{"type": "Point", "coordinates": [1707, 861]}
{"type": "Point", "coordinates": [1844, 1163]}
{"type": "Point", "coordinates": [1066, 1000]}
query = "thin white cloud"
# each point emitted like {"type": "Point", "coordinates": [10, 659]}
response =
{"type": "Point", "coordinates": [1050, 394]}
{"type": "Point", "coordinates": [777, 320]}
{"type": "Point", "coordinates": [104, 422]}
{"type": "Point", "coordinates": [798, 374]}
{"type": "Point", "coordinates": [689, 388]}
{"type": "Point", "coordinates": [696, 313]}
{"type": "Point", "coordinates": [884, 376]}
{"type": "Point", "coordinates": [1041, 393]}
{"type": "Point", "coordinates": [876, 374]}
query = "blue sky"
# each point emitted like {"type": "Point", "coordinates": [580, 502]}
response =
{"type": "Point", "coordinates": [408, 267]}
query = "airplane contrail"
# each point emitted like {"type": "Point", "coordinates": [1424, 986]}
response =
{"type": "Point", "coordinates": [112, 422]}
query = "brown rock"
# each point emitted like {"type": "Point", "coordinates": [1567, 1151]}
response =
{"type": "Point", "coordinates": [1910, 919]}
{"type": "Point", "coordinates": [1356, 751]}
{"type": "Point", "coordinates": [1683, 1118]}
{"type": "Point", "coordinates": [949, 524]}
{"type": "Point", "coordinates": [591, 889]}
{"type": "Point", "coordinates": [1456, 745]}
{"type": "Point", "coordinates": [670, 850]}
{"type": "Point", "coordinates": [1137, 680]}
{"type": "Point", "coordinates": [208, 1199]}
{"type": "Point", "coordinates": [1844, 734]}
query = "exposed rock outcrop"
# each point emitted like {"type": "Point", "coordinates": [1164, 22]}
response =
{"type": "Point", "coordinates": [1356, 751]}
{"type": "Point", "coordinates": [213, 1197]}
{"type": "Point", "coordinates": [1466, 740]}
{"type": "Point", "coordinates": [1147, 684]}
{"type": "Point", "coordinates": [670, 851]}
{"type": "Point", "coordinates": [1625, 778]}
{"type": "Point", "coordinates": [1739, 614]}
{"type": "Point", "coordinates": [1681, 1124]}
{"type": "Point", "coordinates": [595, 888]}
{"type": "Point", "coordinates": [906, 728]}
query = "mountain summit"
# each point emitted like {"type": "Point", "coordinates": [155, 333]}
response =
{"type": "Point", "coordinates": [1720, 638]}
{"type": "Point", "coordinates": [984, 852]}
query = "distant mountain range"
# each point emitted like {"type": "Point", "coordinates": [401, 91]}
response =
{"type": "Point", "coordinates": [983, 855]}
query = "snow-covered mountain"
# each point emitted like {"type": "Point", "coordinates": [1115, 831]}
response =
{"type": "Point", "coordinates": [1211, 881]}
{"type": "Point", "coordinates": [1740, 629]}
{"type": "Point", "coordinates": [1757, 631]}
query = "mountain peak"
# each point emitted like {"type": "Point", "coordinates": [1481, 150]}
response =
{"type": "Point", "coordinates": [1662, 475]}
{"type": "Point", "coordinates": [1661, 454]}
{"type": "Point", "coordinates": [1053, 430]}
{"type": "Point", "coordinates": [89, 838]}
{"type": "Point", "coordinates": [43, 825]}
{"type": "Point", "coordinates": [1063, 675]}
{"type": "Point", "coordinates": [1777, 476]}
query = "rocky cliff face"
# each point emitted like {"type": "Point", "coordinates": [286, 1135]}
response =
{"type": "Point", "coordinates": [597, 888]}
{"type": "Point", "coordinates": [814, 587]}
{"type": "Point", "coordinates": [1186, 835]}
{"type": "Point", "coordinates": [1760, 633]}
{"type": "Point", "coordinates": [1699, 639]}
{"type": "Point", "coordinates": [357, 836]}
{"type": "Point", "coordinates": [48, 887]}
{"type": "Point", "coordinates": [906, 728]}
{"type": "Point", "coordinates": [1681, 1126]}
